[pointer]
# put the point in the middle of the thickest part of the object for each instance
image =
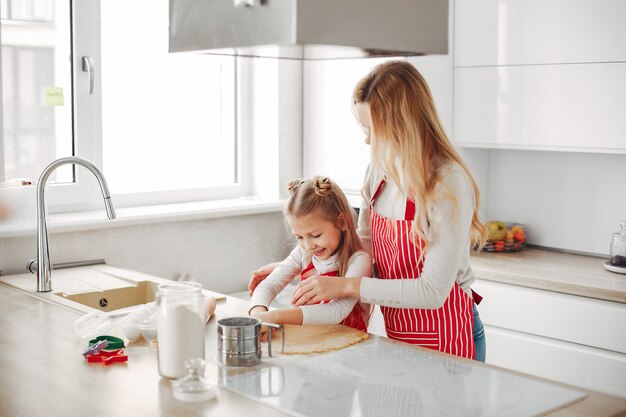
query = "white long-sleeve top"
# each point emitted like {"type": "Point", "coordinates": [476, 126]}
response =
{"type": "Point", "coordinates": [447, 256]}
{"type": "Point", "coordinates": [359, 264]}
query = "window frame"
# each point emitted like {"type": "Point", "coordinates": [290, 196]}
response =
{"type": "Point", "coordinates": [84, 194]}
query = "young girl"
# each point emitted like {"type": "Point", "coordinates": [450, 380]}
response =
{"type": "Point", "coordinates": [419, 214]}
{"type": "Point", "coordinates": [324, 225]}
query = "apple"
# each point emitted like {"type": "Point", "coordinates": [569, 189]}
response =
{"type": "Point", "coordinates": [496, 229]}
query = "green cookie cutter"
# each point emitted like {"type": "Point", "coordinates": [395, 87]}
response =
{"type": "Point", "coordinates": [114, 342]}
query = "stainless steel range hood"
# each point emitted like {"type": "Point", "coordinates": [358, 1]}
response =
{"type": "Point", "coordinates": [309, 29]}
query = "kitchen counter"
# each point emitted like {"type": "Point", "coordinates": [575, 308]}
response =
{"type": "Point", "coordinates": [42, 372]}
{"type": "Point", "coordinates": [553, 271]}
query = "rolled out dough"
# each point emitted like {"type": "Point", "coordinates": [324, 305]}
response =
{"type": "Point", "coordinates": [316, 339]}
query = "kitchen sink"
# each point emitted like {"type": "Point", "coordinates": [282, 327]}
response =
{"type": "Point", "coordinates": [96, 287]}
{"type": "Point", "coordinates": [108, 300]}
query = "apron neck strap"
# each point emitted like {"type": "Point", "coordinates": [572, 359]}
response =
{"type": "Point", "coordinates": [409, 211]}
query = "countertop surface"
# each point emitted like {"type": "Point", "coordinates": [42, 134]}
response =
{"type": "Point", "coordinates": [42, 372]}
{"type": "Point", "coordinates": [553, 271]}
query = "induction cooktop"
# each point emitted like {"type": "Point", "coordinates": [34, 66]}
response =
{"type": "Point", "coordinates": [383, 378]}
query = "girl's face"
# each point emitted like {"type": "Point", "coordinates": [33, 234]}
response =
{"type": "Point", "coordinates": [316, 235]}
{"type": "Point", "coordinates": [364, 118]}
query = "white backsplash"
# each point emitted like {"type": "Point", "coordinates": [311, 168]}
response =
{"type": "Point", "coordinates": [220, 253]}
{"type": "Point", "coordinates": [570, 201]}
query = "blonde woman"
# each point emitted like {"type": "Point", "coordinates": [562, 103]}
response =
{"type": "Point", "coordinates": [420, 216]}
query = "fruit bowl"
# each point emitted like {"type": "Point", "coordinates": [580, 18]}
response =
{"type": "Point", "coordinates": [505, 237]}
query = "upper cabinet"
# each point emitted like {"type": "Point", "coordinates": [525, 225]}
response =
{"type": "Point", "coordinates": [524, 32]}
{"type": "Point", "coordinates": [531, 74]}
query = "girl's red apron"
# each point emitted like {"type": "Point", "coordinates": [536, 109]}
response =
{"type": "Point", "coordinates": [448, 328]}
{"type": "Point", "coordinates": [356, 318]}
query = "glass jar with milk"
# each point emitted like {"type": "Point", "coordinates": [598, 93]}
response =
{"type": "Point", "coordinates": [180, 327]}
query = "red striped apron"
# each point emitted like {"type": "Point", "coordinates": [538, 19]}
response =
{"type": "Point", "coordinates": [356, 317]}
{"type": "Point", "coordinates": [448, 328]}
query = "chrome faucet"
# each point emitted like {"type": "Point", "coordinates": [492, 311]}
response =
{"type": "Point", "coordinates": [42, 263]}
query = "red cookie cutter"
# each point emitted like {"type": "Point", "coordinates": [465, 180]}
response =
{"type": "Point", "coordinates": [108, 357]}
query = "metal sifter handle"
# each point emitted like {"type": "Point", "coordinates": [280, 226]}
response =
{"type": "Point", "coordinates": [269, 337]}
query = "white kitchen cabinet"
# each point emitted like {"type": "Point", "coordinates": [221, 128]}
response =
{"type": "Point", "coordinates": [540, 75]}
{"type": "Point", "coordinates": [572, 339]}
{"type": "Point", "coordinates": [591, 368]}
{"type": "Point", "coordinates": [548, 107]}
{"type": "Point", "coordinates": [499, 32]}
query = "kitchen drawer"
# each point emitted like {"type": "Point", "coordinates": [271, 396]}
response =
{"type": "Point", "coordinates": [583, 366]}
{"type": "Point", "coordinates": [570, 318]}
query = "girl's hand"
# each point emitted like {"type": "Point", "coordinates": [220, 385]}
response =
{"type": "Point", "coordinates": [259, 275]}
{"type": "Point", "coordinates": [265, 317]}
{"type": "Point", "coordinates": [319, 288]}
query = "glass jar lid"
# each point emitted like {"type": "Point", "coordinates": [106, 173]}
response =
{"type": "Point", "coordinates": [194, 387]}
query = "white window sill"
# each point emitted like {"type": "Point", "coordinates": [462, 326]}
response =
{"type": "Point", "coordinates": [131, 216]}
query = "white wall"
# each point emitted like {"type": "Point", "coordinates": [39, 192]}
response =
{"type": "Point", "coordinates": [571, 201]}
{"type": "Point", "coordinates": [220, 253]}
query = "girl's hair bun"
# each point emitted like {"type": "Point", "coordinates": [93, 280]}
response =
{"type": "Point", "coordinates": [323, 187]}
{"type": "Point", "coordinates": [293, 185]}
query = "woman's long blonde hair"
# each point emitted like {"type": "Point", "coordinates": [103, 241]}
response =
{"type": "Point", "coordinates": [324, 198]}
{"type": "Point", "coordinates": [408, 141]}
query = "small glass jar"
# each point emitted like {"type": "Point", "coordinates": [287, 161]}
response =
{"type": "Point", "coordinates": [180, 327]}
{"type": "Point", "coordinates": [618, 247]}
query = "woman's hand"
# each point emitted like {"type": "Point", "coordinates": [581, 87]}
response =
{"type": "Point", "coordinates": [259, 275]}
{"type": "Point", "coordinates": [318, 288]}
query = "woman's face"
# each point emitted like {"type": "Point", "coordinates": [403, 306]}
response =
{"type": "Point", "coordinates": [364, 118]}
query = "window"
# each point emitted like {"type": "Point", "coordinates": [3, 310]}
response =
{"type": "Point", "coordinates": [37, 87]}
{"type": "Point", "coordinates": [168, 119]}
{"type": "Point", "coordinates": [161, 126]}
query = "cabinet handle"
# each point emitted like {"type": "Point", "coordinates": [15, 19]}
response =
{"type": "Point", "coordinates": [90, 68]}
{"type": "Point", "coordinates": [248, 3]}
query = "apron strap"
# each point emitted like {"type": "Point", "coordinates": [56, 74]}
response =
{"type": "Point", "coordinates": [379, 188]}
{"type": "Point", "coordinates": [307, 269]}
{"type": "Point", "coordinates": [477, 297]}
{"type": "Point", "coordinates": [409, 211]}
{"type": "Point", "coordinates": [310, 267]}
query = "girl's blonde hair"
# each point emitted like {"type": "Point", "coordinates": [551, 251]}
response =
{"type": "Point", "coordinates": [322, 197]}
{"type": "Point", "coordinates": [408, 141]}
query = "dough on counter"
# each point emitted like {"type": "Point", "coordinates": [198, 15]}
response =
{"type": "Point", "coordinates": [301, 340]}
